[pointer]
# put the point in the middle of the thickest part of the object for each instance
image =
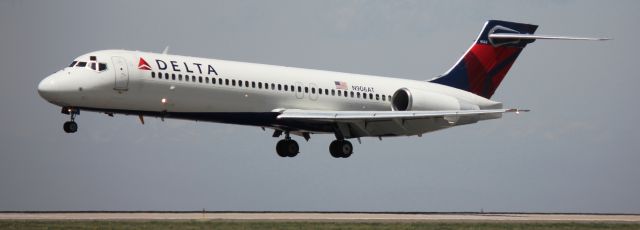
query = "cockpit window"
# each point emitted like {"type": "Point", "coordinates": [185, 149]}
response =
{"type": "Point", "coordinates": [98, 66]}
{"type": "Point", "coordinates": [93, 64]}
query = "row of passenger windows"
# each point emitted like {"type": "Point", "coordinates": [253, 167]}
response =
{"type": "Point", "coordinates": [272, 86]}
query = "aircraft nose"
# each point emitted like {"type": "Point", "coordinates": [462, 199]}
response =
{"type": "Point", "coordinates": [46, 87]}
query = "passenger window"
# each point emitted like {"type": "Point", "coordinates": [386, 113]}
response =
{"type": "Point", "coordinates": [259, 85]}
{"type": "Point", "coordinates": [273, 86]}
{"type": "Point", "coordinates": [253, 84]}
{"type": "Point", "coordinates": [358, 94]}
{"type": "Point", "coordinates": [226, 81]}
{"type": "Point", "coordinates": [384, 98]}
{"type": "Point", "coordinates": [193, 78]}
{"type": "Point", "coordinates": [213, 80]}
{"type": "Point", "coordinates": [233, 82]}
{"type": "Point", "coordinates": [186, 78]}
{"type": "Point", "coordinates": [339, 93]}
{"type": "Point", "coordinates": [73, 63]}
{"type": "Point", "coordinates": [173, 76]}
{"type": "Point", "coordinates": [206, 80]}
{"type": "Point", "coordinates": [333, 92]}
{"type": "Point", "coordinates": [266, 85]}
{"type": "Point", "coordinates": [81, 64]}
{"type": "Point", "coordinates": [299, 88]}
{"type": "Point", "coordinates": [351, 93]}
{"type": "Point", "coordinates": [200, 79]}
{"type": "Point", "coordinates": [313, 90]}
{"type": "Point", "coordinates": [166, 76]}
{"type": "Point", "coordinates": [279, 87]}
{"type": "Point", "coordinates": [179, 77]}
{"type": "Point", "coordinates": [153, 74]}
{"type": "Point", "coordinates": [286, 87]}
{"type": "Point", "coordinates": [306, 89]}
{"type": "Point", "coordinates": [370, 96]}
{"type": "Point", "coordinates": [377, 97]}
{"type": "Point", "coordinates": [220, 81]}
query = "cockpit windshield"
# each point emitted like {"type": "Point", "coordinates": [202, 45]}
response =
{"type": "Point", "coordinates": [92, 64]}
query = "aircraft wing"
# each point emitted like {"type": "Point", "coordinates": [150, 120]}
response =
{"type": "Point", "coordinates": [392, 123]}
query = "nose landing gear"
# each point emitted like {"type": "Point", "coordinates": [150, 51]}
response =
{"type": "Point", "coordinates": [70, 126]}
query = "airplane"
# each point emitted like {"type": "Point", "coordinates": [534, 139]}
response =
{"type": "Point", "coordinates": [292, 100]}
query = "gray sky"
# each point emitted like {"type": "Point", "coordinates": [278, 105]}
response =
{"type": "Point", "coordinates": [577, 151]}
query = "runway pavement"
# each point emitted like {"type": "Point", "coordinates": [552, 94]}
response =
{"type": "Point", "coordinates": [277, 216]}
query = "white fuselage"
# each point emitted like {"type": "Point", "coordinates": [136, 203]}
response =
{"type": "Point", "coordinates": [160, 86]}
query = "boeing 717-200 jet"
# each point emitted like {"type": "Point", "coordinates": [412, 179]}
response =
{"type": "Point", "coordinates": [292, 100]}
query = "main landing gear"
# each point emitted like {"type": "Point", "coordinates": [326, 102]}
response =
{"type": "Point", "coordinates": [287, 147]}
{"type": "Point", "coordinates": [70, 126]}
{"type": "Point", "coordinates": [340, 149]}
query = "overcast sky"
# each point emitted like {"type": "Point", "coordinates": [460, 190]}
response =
{"type": "Point", "coordinates": [577, 151]}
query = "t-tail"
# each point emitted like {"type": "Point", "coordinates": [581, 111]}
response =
{"type": "Point", "coordinates": [481, 69]}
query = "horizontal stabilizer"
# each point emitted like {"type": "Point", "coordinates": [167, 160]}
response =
{"type": "Point", "coordinates": [534, 37]}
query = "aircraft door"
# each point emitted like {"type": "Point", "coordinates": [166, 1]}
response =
{"type": "Point", "coordinates": [121, 73]}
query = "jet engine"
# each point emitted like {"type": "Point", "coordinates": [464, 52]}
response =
{"type": "Point", "coordinates": [406, 99]}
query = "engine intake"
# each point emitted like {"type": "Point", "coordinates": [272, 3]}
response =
{"type": "Point", "coordinates": [406, 99]}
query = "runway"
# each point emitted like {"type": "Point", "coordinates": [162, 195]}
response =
{"type": "Point", "coordinates": [298, 216]}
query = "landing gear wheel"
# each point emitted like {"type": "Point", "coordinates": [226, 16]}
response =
{"type": "Point", "coordinates": [287, 148]}
{"type": "Point", "coordinates": [340, 149]}
{"type": "Point", "coordinates": [70, 127]}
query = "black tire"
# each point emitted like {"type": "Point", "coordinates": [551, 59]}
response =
{"type": "Point", "coordinates": [70, 127]}
{"type": "Point", "coordinates": [334, 149]}
{"type": "Point", "coordinates": [346, 149]}
{"type": "Point", "coordinates": [280, 148]}
{"type": "Point", "coordinates": [292, 148]}
{"type": "Point", "coordinates": [340, 149]}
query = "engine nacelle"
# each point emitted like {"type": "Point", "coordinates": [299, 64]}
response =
{"type": "Point", "coordinates": [406, 99]}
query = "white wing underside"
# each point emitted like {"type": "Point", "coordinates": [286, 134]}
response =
{"type": "Point", "coordinates": [391, 123]}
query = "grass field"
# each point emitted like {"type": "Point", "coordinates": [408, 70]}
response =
{"type": "Point", "coordinates": [220, 224]}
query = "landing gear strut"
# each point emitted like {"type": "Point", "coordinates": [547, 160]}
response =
{"type": "Point", "coordinates": [287, 147]}
{"type": "Point", "coordinates": [341, 149]}
{"type": "Point", "coordinates": [70, 126]}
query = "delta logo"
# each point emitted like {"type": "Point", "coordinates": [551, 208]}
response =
{"type": "Point", "coordinates": [143, 65]}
